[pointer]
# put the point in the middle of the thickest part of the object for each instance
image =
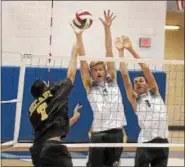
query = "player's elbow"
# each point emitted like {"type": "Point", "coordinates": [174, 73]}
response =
{"type": "Point", "coordinates": [124, 73]}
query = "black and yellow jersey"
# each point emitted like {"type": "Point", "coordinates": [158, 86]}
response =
{"type": "Point", "coordinates": [48, 114]}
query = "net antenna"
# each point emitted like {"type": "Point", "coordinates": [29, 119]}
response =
{"type": "Point", "coordinates": [20, 97]}
{"type": "Point", "coordinates": [50, 43]}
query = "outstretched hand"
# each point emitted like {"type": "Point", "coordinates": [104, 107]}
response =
{"type": "Point", "coordinates": [108, 18]}
{"type": "Point", "coordinates": [76, 110]}
{"type": "Point", "coordinates": [127, 44]}
{"type": "Point", "coordinates": [76, 30]}
{"type": "Point", "coordinates": [119, 44]}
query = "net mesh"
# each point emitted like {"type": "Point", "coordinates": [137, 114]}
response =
{"type": "Point", "coordinates": [175, 101]}
{"type": "Point", "coordinates": [172, 87]}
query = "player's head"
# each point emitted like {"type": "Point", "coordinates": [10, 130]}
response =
{"type": "Point", "coordinates": [140, 84]}
{"type": "Point", "coordinates": [38, 88]}
{"type": "Point", "coordinates": [98, 70]}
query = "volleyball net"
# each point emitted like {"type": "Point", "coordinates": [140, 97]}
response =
{"type": "Point", "coordinates": [20, 71]}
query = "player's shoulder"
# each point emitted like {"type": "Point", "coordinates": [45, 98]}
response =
{"type": "Point", "coordinates": [61, 86]}
{"type": "Point", "coordinates": [65, 81]}
{"type": "Point", "coordinates": [61, 82]}
{"type": "Point", "coordinates": [33, 106]}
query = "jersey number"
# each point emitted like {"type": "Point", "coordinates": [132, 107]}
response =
{"type": "Point", "coordinates": [42, 110]}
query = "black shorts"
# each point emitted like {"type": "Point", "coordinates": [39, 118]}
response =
{"type": "Point", "coordinates": [156, 157]}
{"type": "Point", "coordinates": [35, 154]}
{"type": "Point", "coordinates": [50, 154]}
{"type": "Point", "coordinates": [99, 157]}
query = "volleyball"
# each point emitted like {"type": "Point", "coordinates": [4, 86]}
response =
{"type": "Point", "coordinates": [83, 19]}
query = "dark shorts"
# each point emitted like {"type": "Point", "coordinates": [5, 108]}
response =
{"type": "Point", "coordinates": [156, 157]}
{"type": "Point", "coordinates": [100, 157]}
{"type": "Point", "coordinates": [50, 154]}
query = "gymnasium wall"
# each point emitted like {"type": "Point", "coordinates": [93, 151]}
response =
{"type": "Point", "coordinates": [174, 50]}
{"type": "Point", "coordinates": [26, 29]}
{"type": "Point", "coordinates": [26, 26]}
{"type": "Point", "coordinates": [79, 131]}
{"type": "Point", "coordinates": [174, 40]}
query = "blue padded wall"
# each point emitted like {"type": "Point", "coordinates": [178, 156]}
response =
{"type": "Point", "coordinates": [79, 131]}
{"type": "Point", "coordinates": [9, 88]}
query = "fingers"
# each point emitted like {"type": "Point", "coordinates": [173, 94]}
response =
{"type": "Point", "coordinates": [78, 106]}
{"type": "Point", "coordinates": [82, 30]}
{"type": "Point", "coordinates": [117, 39]}
{"type": "Point", "coordinates": [113, 18]}
{"type": "Point", "coordinates": [76, 30]}
{"type": "Point", "coordinates": [118, 43]}
{"type": "Point", "coordinates": [105, 15]}
{"type": "Point", "coordinates": [124, 38]}
{"type": "Point", "coordinates": [108, 15]}
{"type": "Point", "coordinates": [101, 20]}
{"type": "Point", "coordinates": [72, 27]}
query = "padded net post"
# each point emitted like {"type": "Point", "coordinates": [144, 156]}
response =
{"type": "Point", "coordinates": [19, 98]}
{"type": "Point", "coordinates": [10, 59]}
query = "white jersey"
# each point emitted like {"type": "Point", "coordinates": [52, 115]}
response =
{"type": "Point", "coordinates": [152, 117]}
{"type": "Point", "coordinates": [106, 103]}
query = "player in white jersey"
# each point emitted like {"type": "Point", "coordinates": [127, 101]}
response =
{"type": "Point", "coordinates": [105, 99]}
{"type": "Point", "coordinates": [149, 108]}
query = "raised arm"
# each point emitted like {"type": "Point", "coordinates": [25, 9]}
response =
{"type": "Point", "coordinates": [71, 72]}
{"type": "Point", "coordinates": [152, 84]}
{"type": "Point", "coordinates": [84, 68]}
{"type": "Point", "coordinates": [76, 115]}
{"type": "Point", "coordinates": [107, 22]}
{"type": "Point", "coordinates": [124, 72]}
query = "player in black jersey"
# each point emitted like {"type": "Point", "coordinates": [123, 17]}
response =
{"type": "Point", "coordinates": [49, 118]}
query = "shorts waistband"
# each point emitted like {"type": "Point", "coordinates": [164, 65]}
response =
{"type": "Point", "coordinates": [110, 131]}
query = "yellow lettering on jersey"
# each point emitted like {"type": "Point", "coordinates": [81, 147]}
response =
{"type": "Point", "coordinates": [41, 99]}
{"type": "Point", "coordinates": [33, 107]}
{"type": "Point", "coordinates": [36, 103]}
{"type": "Point", "coordinates": [47, 94]}
{"type": "Point", "coordinates": [42, 110]}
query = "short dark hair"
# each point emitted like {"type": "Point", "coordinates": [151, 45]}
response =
{"type": "Point", "coordinates": [140, 75]}
{"type": "Point", "coordinates": [38, 88]}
